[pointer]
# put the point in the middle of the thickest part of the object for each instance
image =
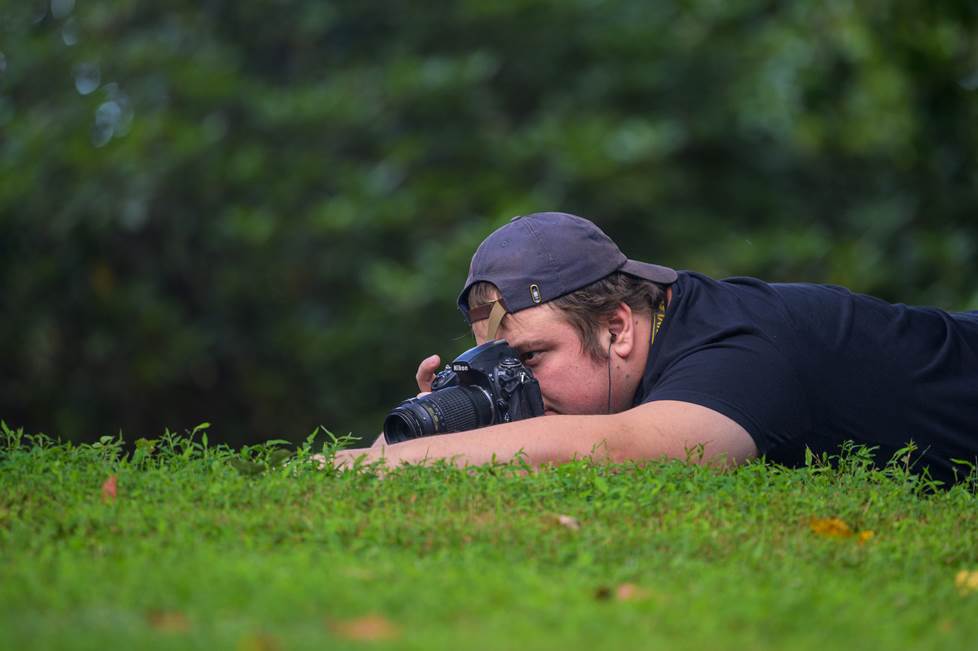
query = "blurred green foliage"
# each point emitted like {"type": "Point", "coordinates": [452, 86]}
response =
{"type": "Point", "coordinates": [259, 214]}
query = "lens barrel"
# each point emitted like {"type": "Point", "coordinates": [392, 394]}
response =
{"type": "Point", "coordinates": [452, 409]}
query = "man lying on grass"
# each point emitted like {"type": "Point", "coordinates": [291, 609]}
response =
{"type": "Point", "coordinates": [636, 361]}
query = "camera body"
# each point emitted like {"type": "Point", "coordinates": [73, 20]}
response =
{"type": "Point", "coordinates": [485, 385]}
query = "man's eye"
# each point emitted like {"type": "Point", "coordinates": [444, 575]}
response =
{"type": "Point", "coordinates": [530, 356]}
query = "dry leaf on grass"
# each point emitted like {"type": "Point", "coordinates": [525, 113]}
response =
{"type": "Point", "coordinates": [168, 621]}
{"type": "Point", "coordinates": [837, 528]}
{"type": "Point", "coordinates": [258, 642]}
{"type": "Point", "coordinates": [368, 628]}
{"type": "Point", "coordinates": [359, 573]}
{"type": "Point", "coordinates": [966, 581]}
{"type": "Point", "coordinates": [624, 592]}
{"type": "Point", "coordinates": [569, 522]}
{"type": "Point", "coordinates": [630, 592]}
{"type": "Point", "coordinates": [109, 488]}
{"type": "Point", "coordinates": [830, 527]}
{"type": "Point", "coordinates": [865, 536]}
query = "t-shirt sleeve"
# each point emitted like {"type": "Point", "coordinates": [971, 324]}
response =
{"type": "Point", "coordinates": [744, 378]}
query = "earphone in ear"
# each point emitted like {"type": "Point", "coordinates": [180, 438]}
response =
{"type": "Point", "coordinates": [613, 335]}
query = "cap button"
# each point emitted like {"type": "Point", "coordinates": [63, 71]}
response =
{"type": "Point", "coordinates": [515, 218]}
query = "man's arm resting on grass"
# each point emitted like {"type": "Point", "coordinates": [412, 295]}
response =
{"type": "Point", "coordinates": [665, 428]}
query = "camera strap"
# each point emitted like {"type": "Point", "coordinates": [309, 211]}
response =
{"type": "Point", "coordinates": [494, 311]}
{"type": "Point", "coordinates": [657, 320]}
{"type": "Point", "coordinates": [496, 315]}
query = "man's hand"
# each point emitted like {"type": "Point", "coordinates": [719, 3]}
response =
{"type": "Point", "coordinates": [348, 458]}
{"type": "Point", "coordinates": [426, 373]}
{"type": "Point", "coordinates": [379, 449]}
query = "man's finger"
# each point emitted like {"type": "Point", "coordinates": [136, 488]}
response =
{"type": "Point", "coordinates": [348, 458]}
{"type": "Point", "coordinates": [426, 372]}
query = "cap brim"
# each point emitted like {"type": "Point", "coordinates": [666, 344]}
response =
{"type": "Point", "coordinates": [654, 272]}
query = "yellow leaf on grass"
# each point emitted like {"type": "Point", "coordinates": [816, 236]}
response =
{"type": "Point", "coordinates": [830, 527]}
{"type": "Point", "coordinates": [966, 581]}
{"type": "Point", "coordinates": [368, 628]}
{"type": "Point", "coordinates": [865, 536]}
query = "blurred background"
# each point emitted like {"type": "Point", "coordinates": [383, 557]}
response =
{"type": "Point", "coordinates": [258, 214]}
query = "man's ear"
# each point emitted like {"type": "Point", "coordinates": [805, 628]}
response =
{"type": "Point", "coordinates": [621, 330]}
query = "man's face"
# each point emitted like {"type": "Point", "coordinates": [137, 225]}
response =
{"type": "Point", "coordinates": [570, 380]}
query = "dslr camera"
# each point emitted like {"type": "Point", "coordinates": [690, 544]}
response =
{"type": "Point", "coordinates": [485, 385]}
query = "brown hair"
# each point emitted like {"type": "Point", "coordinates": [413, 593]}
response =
{"type": "Point", "coordinates": [586, 308]}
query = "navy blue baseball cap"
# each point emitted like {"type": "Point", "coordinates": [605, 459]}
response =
{"type": "Point", "coordinates": [542, 256]}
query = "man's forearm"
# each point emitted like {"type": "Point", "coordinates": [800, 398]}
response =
{"type": "Point", "coordinates": [548, 439]}
{"type": "Point", "coordinates": [652, 431]}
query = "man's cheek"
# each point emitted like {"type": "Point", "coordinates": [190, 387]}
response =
{"type": "Point", "coordinates": [479, 332]}
{"type": "Point", "coordinates": [549, 394]}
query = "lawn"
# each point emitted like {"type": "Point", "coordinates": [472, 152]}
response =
{"type": "Point", "coordinates": [175, 544]}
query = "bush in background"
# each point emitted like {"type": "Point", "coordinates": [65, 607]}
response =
{"type": "Point", "coordinates": [259, 215]}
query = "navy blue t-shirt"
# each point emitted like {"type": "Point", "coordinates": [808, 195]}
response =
{"type": "Point", "coordinates": [802, 365]}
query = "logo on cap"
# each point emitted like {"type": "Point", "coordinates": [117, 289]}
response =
{"type": "Point", "coordinates": [535, 293]}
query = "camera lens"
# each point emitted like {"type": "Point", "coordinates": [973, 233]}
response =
{"type": "Point", "coordinates": [452, 409]}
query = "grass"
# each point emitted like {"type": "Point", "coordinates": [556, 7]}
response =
{"type": "Point", "coordinates": [211, 548]}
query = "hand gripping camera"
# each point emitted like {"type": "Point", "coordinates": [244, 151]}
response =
{"type": "Point", "coordinates": [485, 385]}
